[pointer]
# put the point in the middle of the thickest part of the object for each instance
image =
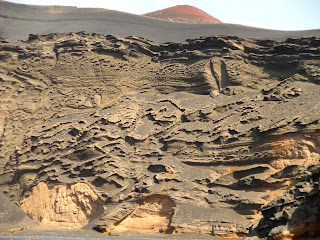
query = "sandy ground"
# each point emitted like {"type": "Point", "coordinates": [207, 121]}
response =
{"type": "Point", "coordinates": [17, 21]}
{"type": "Point", "coordinates": [89, 234]}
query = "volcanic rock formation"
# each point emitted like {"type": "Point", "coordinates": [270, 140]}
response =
{"type": "Point", "coordinates": [183, 13]}
{"type": "Point", "coordinates": [70, 206]}
{"type": "Point", "coordinates": [219, 135]}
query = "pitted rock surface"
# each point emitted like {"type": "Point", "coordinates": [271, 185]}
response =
{"type": "Point", "coordinates": [212, 130]}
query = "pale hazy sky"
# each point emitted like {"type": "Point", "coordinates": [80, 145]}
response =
{"type": "Point", "coordinates": [273, 14]}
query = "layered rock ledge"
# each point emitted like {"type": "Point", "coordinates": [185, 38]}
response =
{"type": "Point", "coordinates": [217, 136]}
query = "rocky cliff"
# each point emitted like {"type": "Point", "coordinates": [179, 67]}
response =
{"type": "Point", "coordinates": [218, 136]}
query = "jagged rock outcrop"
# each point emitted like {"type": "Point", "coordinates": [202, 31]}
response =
{"type": "Point", "coordinates": [294, 215]}
{"type": "Point", "coordinates": [202, 137]}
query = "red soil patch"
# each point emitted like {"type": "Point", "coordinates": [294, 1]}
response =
{"type": "Point", "coordinates": [183, 13]}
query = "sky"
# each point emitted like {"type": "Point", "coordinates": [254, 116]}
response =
{"type": "Point", "coordinates": [271, 14]}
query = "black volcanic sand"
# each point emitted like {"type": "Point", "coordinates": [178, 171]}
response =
{"type": "Point", "coordinates": [91, 235]}
{"type": "Point", "coordinates": [17, 21]}
{"type": "Point", "coordinates": [11, 216]}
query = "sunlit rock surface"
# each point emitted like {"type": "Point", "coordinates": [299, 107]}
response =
{"type": "Point", "coordinates": [71, 206]}
{"type": "Point", "coordinates": [216, 136]}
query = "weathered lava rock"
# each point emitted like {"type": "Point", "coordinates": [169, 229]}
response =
{"type": "Point", "coordinates": [207, 136]}
{"type": "Point", "coordinates": [295, 214]}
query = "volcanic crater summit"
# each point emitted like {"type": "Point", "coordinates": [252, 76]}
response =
{"type": "Point", "coordinates": [183, 13]}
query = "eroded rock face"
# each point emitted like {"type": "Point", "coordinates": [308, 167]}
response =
{"type": "Point", "coordinates": [294, 215]}
{"type": "Point", "coordinates": [203, 135]}
{"type": "Point", "coordinates": [71, 206]}
{"type": "Point", "coordinates": [154, 214]}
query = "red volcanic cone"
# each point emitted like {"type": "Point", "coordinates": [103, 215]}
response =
{"type": "Point", "coordinates": [183, 13]}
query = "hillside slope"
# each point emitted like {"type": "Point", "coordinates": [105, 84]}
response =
{"type": "Point", "coordinates": [17, 21]}
{"type": "Point", "coordinates": [183, 13]}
